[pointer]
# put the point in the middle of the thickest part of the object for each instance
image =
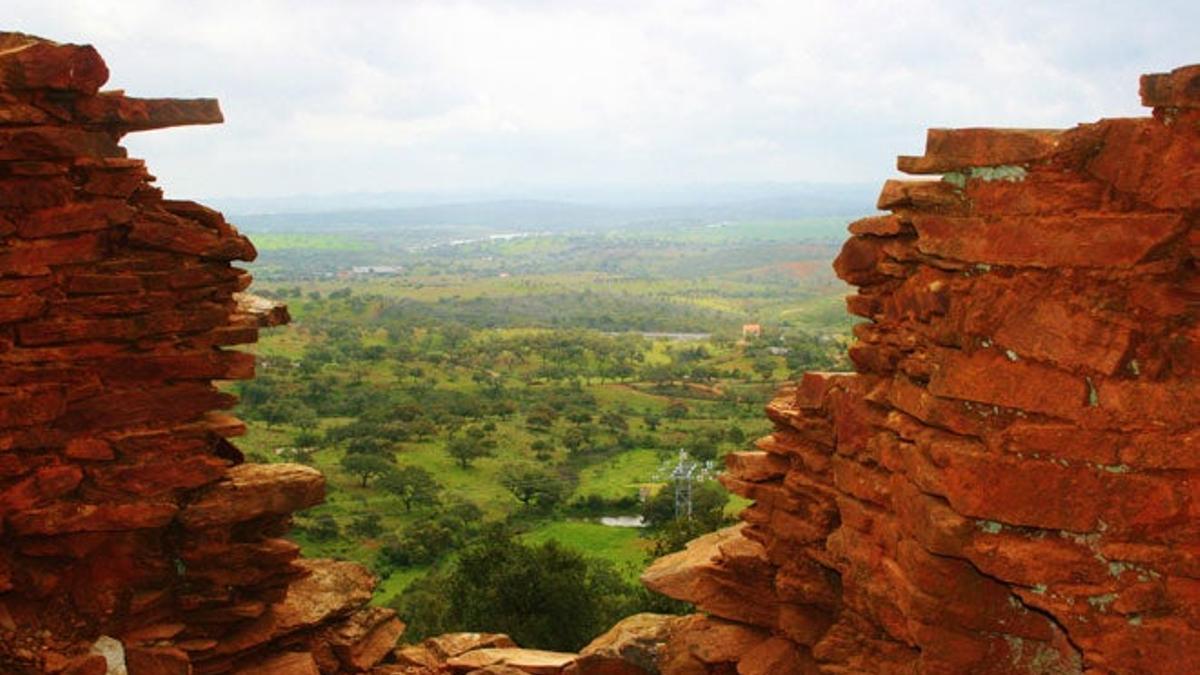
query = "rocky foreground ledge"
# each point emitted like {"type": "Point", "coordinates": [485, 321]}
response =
{"type": "Point", "coordinates": [1008, 483]}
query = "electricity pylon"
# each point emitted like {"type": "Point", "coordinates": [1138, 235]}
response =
{"type": "Point", "coordinates": [684, 473]}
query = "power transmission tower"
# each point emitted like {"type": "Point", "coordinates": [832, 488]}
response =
{"type": "Point", "coordinates": [685, 471]}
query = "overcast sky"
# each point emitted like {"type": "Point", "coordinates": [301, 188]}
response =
{"type": "Point", "coordinates": [330, 97]}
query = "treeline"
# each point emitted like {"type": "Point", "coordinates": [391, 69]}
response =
{"type": "Point", "coordinates": [345, 327]}
{"type": "Point", "coordinates": [587, 309]}
{"type": "Point", "coordinates": [676, 253]}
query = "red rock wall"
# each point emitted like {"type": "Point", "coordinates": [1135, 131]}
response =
{"type": "Point", "coordinates": [1010, 482]}
{"type": "Point", "coordinates": [124, 511]}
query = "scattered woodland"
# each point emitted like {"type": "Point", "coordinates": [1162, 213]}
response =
{"type": "Point", "coordinates": [479, 406]}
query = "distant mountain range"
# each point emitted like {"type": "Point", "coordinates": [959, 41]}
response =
{"type": "Point", "coordinates": [563, 211]}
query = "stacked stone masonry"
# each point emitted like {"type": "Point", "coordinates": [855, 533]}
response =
{"type": "Point", "coordinates": [129, 525]}
{"type": "Point", "coordinates": [1010, 481]}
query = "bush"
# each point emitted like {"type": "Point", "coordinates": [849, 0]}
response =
{"type": "Point", "coordinates": [545, 596]}
{"type": "Point", "coordinates": [306, 439]}
{"type": "Point", "coordinates": [320, 528]}
{"type": "Point", "coordinates": [532, 484]}
{"type": "Point", "coordinates": [421, 543]}
{"type": "Point", "coordinates": [424, 541]}
{"type": "Point", "coordinates": [541, 449]}
{"type": "Point", "coordinates": [368, 526]}
{"type": "Point", "coordinates": [676, 410]}
{"type": "Point", "coordinates": [597, 505]}
{"type": "Point", "coordinates": [413, 485]}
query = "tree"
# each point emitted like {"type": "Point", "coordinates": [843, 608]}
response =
{"type": "Point", "coordinates": [614, 421]}
{"type": "Point", "coordinates": [427, 539]}
{"type": "Point", "coordinates": [303, 417]}
{"type": "Point", "coordinates": [273, 412]}
{"type": "Point", "coordinates": [422, 428]}
{"type": "Point", "coordinates": [659, 374]}
{"type": "Point", "coordinates": [420, 543]}
{"type": "Point", "coordinates": [466, 450]}
{"type": "Point", "coordinates": [407, 412]}
{"type": "Point", "coordinates": [702, 448]}
{"type": "Point", "coordinates": [764, 366]}
{"type": "Point", "coordinates": [306, 439]}
{"type": "Point", "coordinates": [413, 485]}
{"type": "Point", "coordinates": [532, 484]}
{"type": "Point", "coordinates": [545, 596]}
{"type": "Point", "coordinates": [368, 445]}
{"type": "Point", "coordinates": [579, 417]}
{"type": "Point", "coordinates": [651, 420]}
{"type": "Point", "coordinates": [735, 435]}
{"type": "Point", "coordinates": [366, 467]}
{"type": "Point", "coordinates": [676, 410]}
{"type": "Point", "coordinates": [674, 535]}
{"type": "Point", "coordinates": [367, 525]}
{"type": "Point", "coordinates": [541, 449]}
{"type": "Point", "coordinates": [574, 439]}
{"type": "Point", "coordinates": [539, 419]}
{"type": "Point", "coordinates": [256, 392]}
{"type": "Point", "coordinates": [322, 528]}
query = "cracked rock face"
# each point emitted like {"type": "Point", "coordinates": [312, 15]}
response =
{"type": "Point", "coordinates": [126, 516]}
{"type": "Point", "coordinates": [1008, 482]}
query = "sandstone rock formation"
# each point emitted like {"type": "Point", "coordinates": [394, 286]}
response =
{"type": "Point", "coordinates": [1010, 482]}
{"type": "Point", "coordinates": [636, 645]}
{"type": "Point", "coordinates": [124, 511]}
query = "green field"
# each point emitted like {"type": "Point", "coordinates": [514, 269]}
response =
{"type": "Point", "coordinates": [623, 475]}
{"type": "Point", "coordinates": [620, 545]}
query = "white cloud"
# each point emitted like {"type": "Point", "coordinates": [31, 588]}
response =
{"type": "Point", "coordinates": [377, 96]}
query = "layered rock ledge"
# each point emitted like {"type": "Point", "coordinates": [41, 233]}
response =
{"type": "Point", "coordinates": [1008, 482]}
{"type": "Point", "coordinates": [131, 533]}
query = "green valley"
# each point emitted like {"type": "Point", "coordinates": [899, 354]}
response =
{"type": "Point", "coordinates": [529, 389]}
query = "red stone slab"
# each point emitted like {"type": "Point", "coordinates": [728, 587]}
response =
{"type": "Point", "coordinates": [1080, 240]}
{"type": "Point", "coordinates": [949, 150]}
{"type": "Point", "coordinates": [1179, 88]}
